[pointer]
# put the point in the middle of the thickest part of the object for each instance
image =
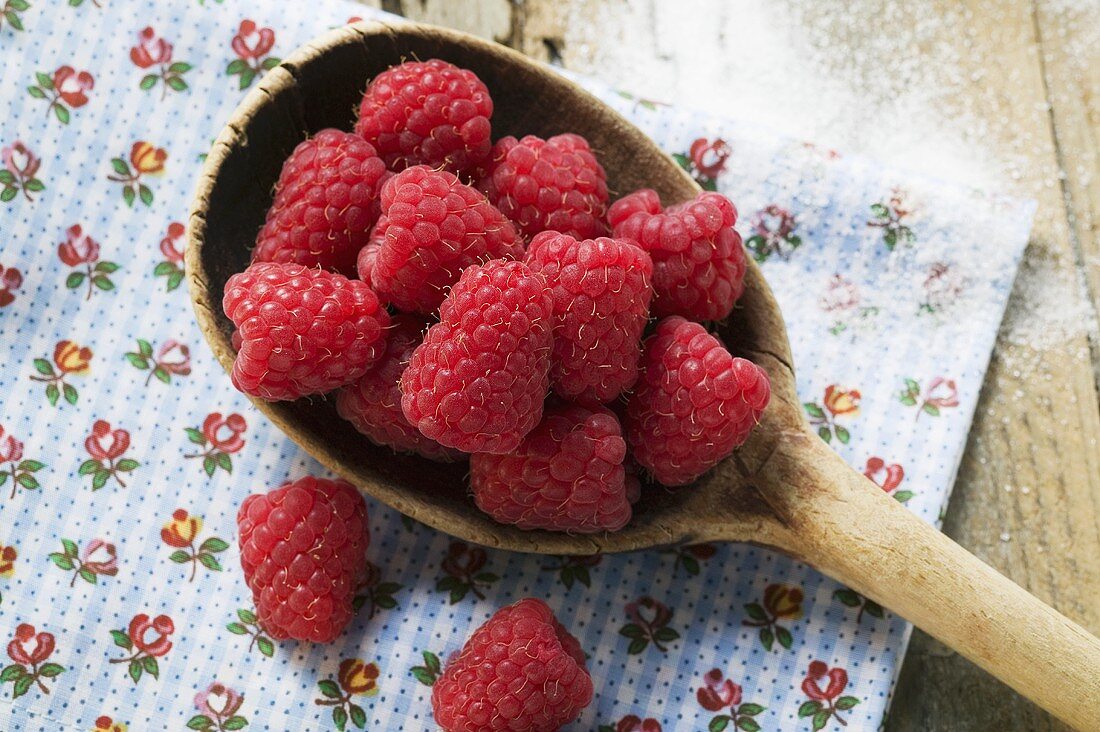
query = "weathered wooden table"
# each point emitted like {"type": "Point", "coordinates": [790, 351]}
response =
{"type": "Point", "coordinates": [1022, 81]}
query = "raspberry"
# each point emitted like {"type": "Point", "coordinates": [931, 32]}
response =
{"type": "Point", "coordinates": [601, 302]}
{"type": "Point", "coordinates": [521, 670]}
{"type": "Point", "coordinates": [566, 475]}
{"type": "Point", "coordinates": [373, 403]}
{"type": "Point", "coordinates": [548, 185]}
{"type": "Point", "coordinates": [427, 113]}
{"type": "Point", "coordinates": [698, 261]}
{"type": "Point", "coordinates": [301, 331]}
{"type": "Point", "coordinates": [326, 202]}
{"type": "Point", "coordinates": [693, 404]}
{"type": "Point", "coordinates": [368, 255]}
{"type": "Point", "coordinates": [303, 549]}
{"type": "Point", "coordinates": [436, 228]}
{"type": "Point", "coordinates": [478, 381]}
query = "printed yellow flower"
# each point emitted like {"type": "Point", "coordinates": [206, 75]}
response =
{"type": "Point", "coordinates": [842, 401]}
{"type": "Point", "coordinates": [72, 358]}
{"type": "Point", "coordinates": [182, 529]}
{"type": "Point", "coordinates": [783, 601]}
{"type": "Point", "coordinates": [147, 158]}
{"type": "Point", "coordinates": [358, 677]}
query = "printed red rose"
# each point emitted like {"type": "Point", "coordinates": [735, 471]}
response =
{"type": "Point", "coordinates": [20, 650]}
{"type": "Point", "coordinates": [891, 475]}
{"type": "Point", "coordinates": [709, 156]}
{"type": "Point", "coordinates": [942, 393]}
{"type": "Point", "coordinates": [214, 429]}
{"type": "Point", "coordinates": [71, 85]}
{"type": "Point", "coordinates": [150, 50]}
{"type": "Point", "coordinates": [11, 449]}
{"type": "Point", "coordinates": [252, 42]}
{"type": "Point", "coordinates": [838, 679]}
{"type": "Point", "coordinates": [168, 243]}
{"type": "Point", "coordinates": [78, 248]}
{"type": "Point", "coordinates": [151, 636]}
{"type": "Point", "coordinates": [718, 693]}
{"type": "Point", "coordinates": [100, 447]}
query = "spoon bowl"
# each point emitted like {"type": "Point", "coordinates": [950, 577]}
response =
{"type": "Point", "coordinates": [783, 488]}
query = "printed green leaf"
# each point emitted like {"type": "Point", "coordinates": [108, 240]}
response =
{"type": "Point", "coordinates": [809, 708]}
{"type": "Point", "coordinates": [7, 177]}
{"type": "Point", "coordinates": [88, 576]}
{"type": "Point", "coordinates": [128, 196]}
{"type": "Point", "coordinates": [637, 646]}
{"type": "Point", "coordinates": [907, 399]}
{"type": "Point", "coordinates": [683, 160]}
{"type": "Point", "coordinates": [44, 80]}
{"type": "Point", "coordinates": [62, 561]}
{"type": "Point", "coordinates": [36, 92]}
{"type": "Point", "coordinates": [825, 433]}
{"type": "Point", "coordinates": [486, 578]}
{"type": "Point", "coordinates": [767, 638]}
{"type": "Point", "coordinates": [431, 661]}
{"type": "Point", "coordinates": [43, 367]}
{"type": "Point", "coordinates": [127, 464]}
{"type": "Point", "coordinates": [458, 593]}
{"type": "Point", "coordinates": [213, 544]}
{"type": "Point", "coordinates": [179, 556]}
{"type": "Point", "coordinates": [846, 702]}
{"type": "Point", "coordinates": [719, 723]}
{"type": "Point", "coordinates": [100, 478]}
{"type": "Point", "coordinates": [748, 724]}
{"type": "Point", "coordinates": [164, 268]}
{"type": "Point", "coordinates": [52, 394]}
{"type": "Point", "coordinates": [106, 267]}
{"type": "Point", "coordinates": [13, 19]}
{"type": "Point", "coordinates": [843, 435]}
{"type": "Point", "coordinates": [880, 211]}
{"type": "Point", "coordinates": [151, 667]}
{"type": "Point", "coordinates": [814, 410]}
{"type": "Point", "coordinates": [119, 166]}
{"type": "Point", "coordinates": [49, 670]}
{"type": "Point", "coordinates": [27, 481]}
{"type": "Point", "coordinates": [176, 84]}
{"type": "Point", "coordinates": [134, 670]}
{"type": "Point", "coordinates": [175, 279]}
{"type": "Point", "coordinates": [209, 465]}
{"type": "Point", "coordinates": [237, 629]}
{"type": "Point", "coordinates": [890, 238]}
{"type": "Point", "coordinates": [234, 723]}
{"type": "Point", "coordinates": [266, 646]}
{"type": "Point", "coordinates": [784, 637]}
{"type": "Point", "coordinates": [12, 672]}
{"type": "Point", "coordinates": [755, 611]}
{"type": "Point", "coordinates": [385, 602]}
{"type": "Point", "coordinates": [847, 597]}
{"type": "Point", "coordinates": [873, 609]}
{"type": "Point", "coordinates": [246, 78]}
{"type": "Point", "coordinates": [821, 719]}
{"type": "Point", "coordinates": [329, 688]}
{"type": "Point", "coordinates": [582, 576]}
{"type": "Point", "coordinates": [691, 564]}
{"type": "Point", "coordinates": [195, 435]}
{"type": "Point", "coordinates": [903, 496]}
{"type": "Point", "coordinates": [121, 639]}
{"type": "Point", "coordinates": [22, 684]}
{"type": "Point", "coordinates": [137, 361]}
{"type": "Point", "coordinates": [70, 547]}
{"type": "Point", "coordinates": [88, 467]}
{"type": "Point", "coordinates": [18, 5]}
{"type": "Point", "coordinates": [3, 478]}
{"type": "Point", "coordinates": [912, 385]}
{"type": "Point", "coordinates": [235, 66]}
{"type": "Point", "coordinates": [630, 630]}
{"type": "Point", "coordinates": [339, 718]}
{"type": "Point", "coordinates": [931, 409]}
{"type": "Point", "coordinates": [70, 393]}
{"type": "Point", "coordinates": [74, 280]}
{"type": "Point", "coordinates": [224, 461]}
{"type": "Point", "coordinates": [423, 675]}
{"type": "Point", "coordinates": [358, 716]}
{"type": "Point", "coordinates": [210, 562]}
{"type": "Point", "coordinates": [162, 375]}
{"type": "Point", "coordinates": [8, 194]}
{"type": "Point", "coordinates": [31, 466]}
{"type": "Point", "coordinates": [199, 721]}
{"type": "Point", "coordinates": [665, 635]}
{"type": "Point", "coordinates": [148, 82]}
{"type": "Point", "coordinates": [270, 62]}
{"type": "Point", "coordinates": [180, 67]}
{"type": "Point", "coordinates": [146, 194]}
{"type": "Point", "coordinates": [61, 112]}
{"type": "Point", "coordinates": [750, 709]}
{"type": "Point", "coordinates": [246, 616]}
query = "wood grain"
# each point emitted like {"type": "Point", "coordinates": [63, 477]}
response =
{"type": "Point", "coordinates": [1028, 496]}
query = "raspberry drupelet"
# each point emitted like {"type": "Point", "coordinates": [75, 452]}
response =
{"type": "Point", "coordinates": [478, 381]}
{"type": "Point", "coordinates": [521, 670]}
{"type": "Point", "coordinates": [566, 475]}
{"type": "Point", "coordinates": [698, 261]}
{"type": "Point", "coordinates": [548, 185]}
{"type": "Point", "coordinates": [434, 228]}
{"type": "Point", "coordinates": [693, 404]}
{"type": "Point", "coordinates": [427, 113]}
{"type": "Point", "coordinates": [601, 303]}
{"type": "Point", "coordinates": [326, 201]}
{"type": "Point", "coordinates": [301, 331]}
{"type": "Point", "coordinates": [303, 552]}
{"type": "Point", "coordinates": [373, 403]}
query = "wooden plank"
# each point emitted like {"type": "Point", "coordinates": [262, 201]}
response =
{"type": "Point", "coordinates": [1028, 495]}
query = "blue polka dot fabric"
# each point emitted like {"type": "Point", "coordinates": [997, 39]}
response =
{"type": "Point", "coordinates": [125, 451]}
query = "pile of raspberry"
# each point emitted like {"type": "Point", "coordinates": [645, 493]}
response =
{"type": "Point", "coordinates": [460, 298]}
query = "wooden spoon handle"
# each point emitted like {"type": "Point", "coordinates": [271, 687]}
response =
{"type": "Point", "coordinates": [850, 529]}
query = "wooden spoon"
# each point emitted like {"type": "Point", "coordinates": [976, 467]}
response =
{"type": "Point", "coordinates": [784, 488]}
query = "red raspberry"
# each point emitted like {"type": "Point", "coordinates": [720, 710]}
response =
{"type": "Point", "coordinates": [373, 403]}
{"type": "Point", "coordinates": [368, 255]}
{"type": "Point", "coordinates": [303, 549]}
{"type": "Point", "coordinates": [548, 185]}
{"type": "Point", "coordinates": [430, 113]}
{"type": "Point", "coordinates": [478, 381]}
{"type": "Point", "coordinates": [521, 670]}
{"type": "Point", "coordinates": [436, 228]}
{"type": "Point", "coordinates": [698, 261]}
{"type": "Point", "coordinates": [301, 331]}
{"type": "Point", "coordinates": [566, 475]}
{"type": "Point", "coordinates": [694, 403]}
{"type": "Point", "coordinates": [326, 202]}
{"type": "Point", "coordinates": [601, 303]}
